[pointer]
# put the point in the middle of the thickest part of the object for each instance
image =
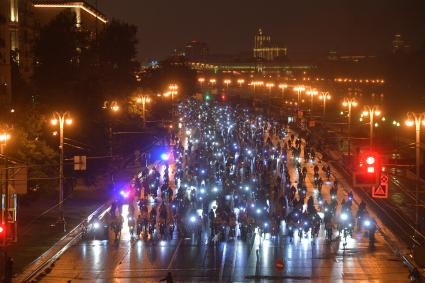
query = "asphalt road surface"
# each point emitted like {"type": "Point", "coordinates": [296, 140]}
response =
{"type": "Point", "coordinates": [231, 261]}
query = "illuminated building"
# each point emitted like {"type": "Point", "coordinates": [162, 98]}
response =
{"type": "Point", "coordinates": [264, 49]}
{"type": "Point", "coordinates": [19, 22]}
{"type": "Point", "coordinates": [87, 16]}
{"type": "Point", "coordinates": [398, 43]}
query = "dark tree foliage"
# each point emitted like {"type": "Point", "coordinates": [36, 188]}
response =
{"type": "Point", "coordinates": [58, 51]}
{"type": "Point", "coordinates": [117, 58]}
{"type": "Point", "coordinates": [173, 70]}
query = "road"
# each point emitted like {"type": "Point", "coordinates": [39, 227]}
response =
{"type": "Point", "coordinates": [233, 260]}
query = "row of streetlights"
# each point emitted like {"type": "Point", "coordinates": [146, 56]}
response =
{"type": "Point", "coordinates": [64, 118]}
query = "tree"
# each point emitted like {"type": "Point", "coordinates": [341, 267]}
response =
{"type": "Point", "coordinates": [115, 52]}
{"type": "Point", "coordinates": [57, 55]}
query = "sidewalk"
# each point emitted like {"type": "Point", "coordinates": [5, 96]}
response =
{"type": "Point", "coordinates": [37, 232]}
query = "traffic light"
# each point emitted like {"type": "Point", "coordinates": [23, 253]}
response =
{"type": "Point", "coordinates": [3, 234]}
{"type": "Point", "coordinates": [223, 97]}
{"type": "Point", "coordinates": [368, 170]}
{"type": "Point", "coordinates": [368, 163]}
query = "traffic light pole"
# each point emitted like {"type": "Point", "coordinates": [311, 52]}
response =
{"type": "Point", "coordinates": [418, 172]}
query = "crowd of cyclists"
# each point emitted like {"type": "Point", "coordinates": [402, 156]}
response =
{"type": "Point", "coordinates": [233, 173]}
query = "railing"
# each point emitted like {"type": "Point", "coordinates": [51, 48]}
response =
{"type": "Point", "coordinates": [60, 247]}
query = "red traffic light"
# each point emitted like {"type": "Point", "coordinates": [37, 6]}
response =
{"type": "Point", "coordinates": [370, 160]}
{"type": "Point", "coordinates": [2, 229]}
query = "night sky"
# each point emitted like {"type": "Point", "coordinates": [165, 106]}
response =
{"type": "Point", "coordinates": [307, 28]}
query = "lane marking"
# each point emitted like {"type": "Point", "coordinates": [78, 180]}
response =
{"type": "Point", "coordinates": [223, 260]}
{"type": "Point", "coordinates": [174, 254]}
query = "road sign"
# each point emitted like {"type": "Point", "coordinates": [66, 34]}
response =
{"type": "Point", "coordinates": [381, 191]}
{"type": "Point", "coordinates": [80, 163]}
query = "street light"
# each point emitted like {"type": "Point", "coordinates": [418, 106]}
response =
{"type": "Point", "coordinates": [325, 96]}
{"type": "Point", "coordinates": [371, 111]}
{"type": "Point", "coordinates": [227, 82]}
{"type": "Point", "coordinates": [201, 81]}
{"type": "Point", "coordinates": [299, 89]}
{"type": "Point", "coordinates": [143, 99]}
{"type": "Point", "coordinates": [173, 91]}
{"type": "Point", "coordinates": [416, 119]}
{"type": "Point", "coordinates": [61, 119]}
{"type": "Point", "coordinates": [282, 87]}
{"type": "Point", "coordinates": [256, 83]}
{"type": "Point", "coordinates": [349, 102]}
{"type": "Point", "coordinates": [213, 81]}
{"type": "Point", "coordinates": [112, 105]}
{"type": "Point", "coordinates": [270, 86]}
{"type": "Point", "coordinates": [241, 82]}
{"type": "Point", "coordinates": [312, 93]}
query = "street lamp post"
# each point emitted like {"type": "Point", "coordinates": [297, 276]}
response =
{"type": "Point", "coordinates": [312, 93]}
{"type": "Point", "coordinates": [282, 87]}
{"type": "Point", "coordinates": [227, 82]}
{"type": "Point", "coordinates": [241, 82]}
{"type": "Point", "coordinates": [349, 102]}
{"type": "Point", "coordinates": [201, 81]}
{"type": "Point", "coordinates": [325, 96]}
{"type": "Point", "coordinates": [416, 119]}
{"type": "Point", "coordinates": [61, 119]}
{"type": "Point", "coordinates": [173, 91]}
{"type": "Point", "coordinates": [143, 99]}
{"type": "Point", "coordinates": [256, 83]}
{"type": "Point", "coordinates": [299, 89]}
{"type": "Point", "coordinates": [371, 111]}
{"type": "Point", "coordinates": [113, 107]}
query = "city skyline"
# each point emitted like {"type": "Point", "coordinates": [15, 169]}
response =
{"type": "Point", "coordinates": [310, 30]}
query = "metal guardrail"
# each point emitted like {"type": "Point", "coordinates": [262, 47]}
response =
{"type": "Point", "coordinates": [52, 254]}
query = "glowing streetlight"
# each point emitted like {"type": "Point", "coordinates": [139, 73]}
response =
{"type": "Point", "coordinates": [61, 119]}
{"type": "Point", "coordinates": [282, 87]}
{"type": "Point", "coordinates": [371, 111]}
{"type": "Point", "coordinates": [299, 89]}
{"type": "Point", "coordinates": [256, 84]}
{"type": "Point", "coordinates": [201, 81]}
{"type": "Point", "coordinates": [143, 99]}
{"type": "Point", "coordinates": [240, 82]}
{"type": "Point", "coordinates": [227, 82]}
{"type": "Point", "coordinates": [312, 93]}
{"type": "Point", "coordinates": [173, 91]}
{"type": "Point", "coordinates": [417, 119]}
{"type": "Point", "coordinates": [324, 96]}
{"type": "Point", "coordinates": [349, 102]}
{"type": "Point", "coordinates": [112, 105]}
{"type": "Point", "coordinates": [212, 81]}
{"type": "Point", "coordinates": [270, 86]}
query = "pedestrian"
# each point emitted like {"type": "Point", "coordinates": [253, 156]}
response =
{"type": "Point", "coordinates": [168, 278]}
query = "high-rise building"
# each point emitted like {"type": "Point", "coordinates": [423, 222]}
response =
{"type": "Point", "coordinates": [264, 49]}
